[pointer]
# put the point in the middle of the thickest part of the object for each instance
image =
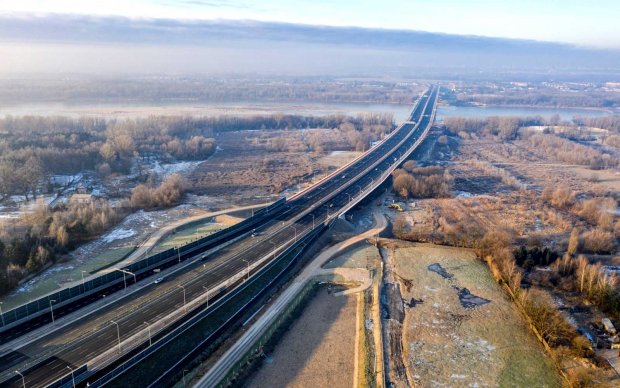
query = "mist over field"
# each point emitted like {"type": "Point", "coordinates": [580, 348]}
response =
{"type": "Point", "coordinates": [115, 46]}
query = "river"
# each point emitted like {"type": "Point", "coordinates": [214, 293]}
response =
{"type": "Point", "coordinates": [400, 112]}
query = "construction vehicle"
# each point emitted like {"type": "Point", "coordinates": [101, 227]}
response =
{"type": "Point", "coordinates": [395, 206]}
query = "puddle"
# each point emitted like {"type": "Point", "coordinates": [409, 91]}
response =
{"type": "Point", "coordinates": [413, 302]}
{"type": "Point", "coordinates": [469, 300]}
{"type": "Point", "coordinates": [437, 268]}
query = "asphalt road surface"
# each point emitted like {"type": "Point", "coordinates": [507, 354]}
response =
{"type": "Point", "coordinates": [45, 360]}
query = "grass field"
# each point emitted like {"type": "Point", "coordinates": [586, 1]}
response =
{"type": "Point", "coordinates": [52, 278]}
{"type": "Point", "coordinates": [446, 344]}
{"type": "Point", "coordinates": [187, 235]}
{"type": "Point", "coordinates": [359, 257]}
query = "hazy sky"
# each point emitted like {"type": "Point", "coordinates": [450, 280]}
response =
{"type": "Point", "coordinates": [590, 23]}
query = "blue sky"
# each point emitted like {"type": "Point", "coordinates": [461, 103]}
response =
{"type": "Point", "coordinates": [577, 22]}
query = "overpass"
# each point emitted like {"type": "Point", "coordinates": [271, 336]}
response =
{"type": "Point", "coordinates": [118, 330]}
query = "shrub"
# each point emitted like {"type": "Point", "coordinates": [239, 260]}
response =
{"type": "Point", "coordinates": [599, 241]}
{"type": "Point", "coordinates": [167, 194]}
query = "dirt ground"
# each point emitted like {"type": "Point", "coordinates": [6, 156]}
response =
{"type": "Point", "coordinates": [317, 351]}
{"type": "Point", "coordinates": [459, 328]}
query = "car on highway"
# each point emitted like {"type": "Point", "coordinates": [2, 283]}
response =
{"type": "Point", "coordinates": [159, 280]}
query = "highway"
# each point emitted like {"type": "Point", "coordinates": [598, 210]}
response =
{"type": "Point", "coordinates": [48, 358]}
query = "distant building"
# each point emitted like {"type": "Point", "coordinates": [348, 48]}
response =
{"type": "Point", "coordinates": [81, 198]}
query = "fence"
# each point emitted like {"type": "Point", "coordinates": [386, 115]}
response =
{"type": "Point", "coordinates": [69, 295]}
{"type": "Point", "coordinates": [120, 369]}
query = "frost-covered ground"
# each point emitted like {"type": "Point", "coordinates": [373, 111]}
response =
{"type": "Point", "coordinates": [450, 343]}
{"type": "Point", "coordinates": [16, 205]}
{"type": "Point", "coordinates": [165, 170]}
{"type": "Point", "coordinates": [118, 234]}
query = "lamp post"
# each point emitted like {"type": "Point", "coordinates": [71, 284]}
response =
{"type": "Point", "coordinates": [179, 254]}
{"type": "Point", "coordinates": [274, 248]}
{"type": "Point", "coordinates": [183, 288]}
{"type": "Point", "coordinates": [295, 229]}
{"type": "Point", "coordinates": [23, 379]}
{"type": "Point", "coordinates": [124, 271]}
{"type": "Point", "coordinates": [248, 269]}
{"type": "Point", "coordinates": [83, 286]}
{"type": "Point", "coordinates": [207, 291]}
{"type": "Point", "coordinates": [52, 310]}
{"type": "Point", "coordinates": [312, 220]}
{"type": "Point", "coordinates": [72, 375]}
{"type": "Point", "coordinates": [148, 327]}
{"type": "Point", "coordinates": [118, 335]}
{"type": "Point", "coordinates": [135, 279]}
{"type": "Point", "coordinates": [1, 314]}
{"type": "Point", "coordinates": [184, 300]}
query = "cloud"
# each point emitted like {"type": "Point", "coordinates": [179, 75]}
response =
{"type": "Point", "coordinates": [291, 48]}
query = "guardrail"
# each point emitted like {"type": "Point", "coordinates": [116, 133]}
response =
{"type": "Point", "coordinates": [160, 343]}
{"type": "Point", "coordinates": [177, 367]}
{"type": "Point", "coordinates": [191, 248]}
{"type": "Point", "coordinates": [45, 304]}
{"type": "Point", "coordinates": [355, 160]}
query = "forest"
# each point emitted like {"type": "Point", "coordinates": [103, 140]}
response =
{"type": "Point", "coordinates": [32, 147]}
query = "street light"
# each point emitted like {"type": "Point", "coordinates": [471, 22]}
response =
{"type": "Point", "coordinates": [295, 229]}
{"type": "Point", "coordinates": [83, 287]}
{"type": "Point", "coordinates": [207, 290]}
{"type": "Point", "coordinates": [179, 254]}
{"type": "Point", "coordinates": [72, 375]}
{"type": "Point", "coordinates": [274, 248]}
{"type": "Point", "coordinates": [312, 220]}
{"type": "Point", "coordinates": [183, 288]}
{"type": "Point", "coordinates": [23, 380]}
{"type": "Point", "coordinates": [184, 370]}
{"type": "Point", "coordinates": [124, 271]}
{"type": "Point", "coordinates": [118, 334]}
{"type": "Point", "coordinates": [52, 310]}
{"type": "Point", "coordinates": [1, 314]}
{"type": "Point", "coordinates": [248, 269]}
{"type": "Point", "coordinates": [148, 327]}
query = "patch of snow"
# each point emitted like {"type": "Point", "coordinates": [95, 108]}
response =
{"type": "Point", "coordinates": [118, 234]}
{"type": "Point", "coordinates": [165, 170]}
{"type": "Point", "coordinates": [10, 215]}
{"type": "Point", "coordinates": [463, 194]}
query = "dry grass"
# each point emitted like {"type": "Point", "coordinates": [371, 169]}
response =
{"type": "Point", "coordinates": [448, 345]}
{"type": "Point", "coordinates": [317, 351]}
{"type": "Point", "coordinates": [248, 166]}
